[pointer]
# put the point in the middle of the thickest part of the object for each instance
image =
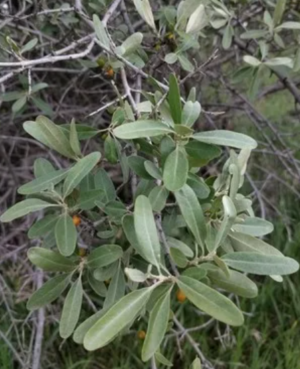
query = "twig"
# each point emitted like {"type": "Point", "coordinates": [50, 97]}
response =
{"type": "Point", "coordinates": [49, 59]}
{"type": "Point", "coordinates": [110, 11]}
{"type": "Point", "coordinates": [40, 328]}
{"type": "Point", "coordinates": [195, 346]}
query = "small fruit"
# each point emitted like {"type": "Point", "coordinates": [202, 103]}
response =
{"type": "Point", "coordinates": [110, 72]}
{"type": "Point", "coordinates": [141, 335]}
{"type": "Point", "coordinates": [82, 252]}
{"type": "Point", "coordinates": [180, 296]}
{"type": "Point", "coordinates": [76, 220]}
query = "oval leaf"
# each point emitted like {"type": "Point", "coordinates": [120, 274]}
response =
{"type": "Point", "coordinates": [192, 213]}
{"type": "Point", "coordinates": [44, 182]}
{"type": "Point", "coordinates": [49, 292]}
{"type": "Point", "coordinates": [176, 170]}
{"type": "Point", "coordinates": [51, 135]}
{"type": "Point", "coordinates": [23, 208]}
{"type": "Point", "coordinates": [104, 255]}
{"type": "Point", "coordinates": [116, 319]}
{"type": "Point", "coordinates": [71, 310]}
{"type": "Point", "coordinates": [140, 129]}
{"type": "Point", "coordinates": [65, 235]}
{"type": "Point", "coordinates": [81, 169]}
{"type": "Point", "coordinates": [254, 227]}
{"type": "Point", "coordinates": [50, 261]}
{"type": "Point", "coordinates": [260, 264]}
{"type": "Point", "coordinates": [226, 138]}
{"type": "Point", "coordinates": [157, 326]}
{"type": "Point", "coordinates": [146, 231]}
{"type": "Point", "coordinates": [211, 301]}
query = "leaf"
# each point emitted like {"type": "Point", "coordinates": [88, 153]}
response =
{"type": "Point", "coordinates": [104, 183]}
{"type": "Point", "coordinates": [49, 260]}
{"type": "Point", "coordinates": [43, 106]}
{"type": "Point", "coordinates": [86, 200]}
{"type": "Point", "coordinates": [158, 198]}
{"type": "Point", "coordinates": [116, 319]}
{"type": "Point", "coordinates": [253, 34]}
{"type": "Point", "coordinates": [18, 105]}
{"type": "Point", "coordinates": [29, 45]}
{"type": "Point", "coordinates": [157, 326]}
{"type": "Point", "coordinates": [226, 138]}
{"type": "Point", "coordinates": [146, 231]}
{"type": "Point", "coordinates": [42, 166]}
{"type": "Point", "coordinates": [44, 182]}
{"type": "Point", "coordinates": [196, 364]}
{"type": "Point", "coordinates": [254, 226]}
{"type": "Point", "coordinates": [97, 286]}
{"type": "Point", "coordinates": [202, 151]}
{"type": "Point", "coordinates": [82, 329]}
{"type": "Point", "coordinates": [101, 31]}
{"type": "Point", "coordinates": [132, 43]}
{"type": "Point", "coordinates": [71, 309]}
{"type": "Point", "coordinates": [176, 170]}
{"type": "Point", "coordinates": [195, 272]}
{"type": "Point", "coordinates": [104, 255]}
{"type": "Point", "coordinates": [174, 99]}
{"type": "Point", "coordinates": [115, 209]}
{"type": "Point", "coordinates": [200, 188]}
{"type": "Point", "coordinates": [49, 292]}
{"type": "Point", "coordinates": [236, 282]}
{"type": "Point", "coordinates": [278, 12]}
{"type": "Point", "coordinates": [285, 61]}
{"type": "Point", "coordinates": [116, 289]}
{"type": "Point", "coordinates": [161, 359]}
{"type": "Point", "coordinates": [65, 235]}
{"type": "Point", "coordinates": [256, 263]}
{"type": "Point", "coordinates": [228, 219]}
{"type": "Point", "coordinates": [50, 135]}
{"type": "Point", "coordinates": [135, 275]}
{"type": "Point", "coordinates": [171, 58]}
{"type": "Point", "coordinates": [84, 132]}
{"type": "Point", "coordinates": [42, 226]}
{"type": "Point", "coordinates": [289, 25]}
{"type": "Point", "coordinates": [128, 227]}
{"type": "Point", "coordinates": [198, 20]}
{"type": "Point", "coordinates": [110, 150]}
{"type": "Point", "coordinates": [210, 301]}
{"type": "Point", "coordinates": [152, 169]}
{"type": "Point", "coordinates": [178, 257]}
{"type": "Point", "coordinates": [81, 169]}
{"type": "Point", "coordinates": [140, 129]}
{"type": "Point", "coordinates": [183, 131]}
{"type": "Point", "coordinates": [227, 36]}
{"type": "Point", "coordinates": [23, 208]}
{"type": "Point", "coordinates": [192, 213]}
{"type": "Point", "coordinates": [144, 9]}
{"type": "Point", "coordinates": [74, 141]}
{"type": "Point", "coordinates": [12, 96]}
{"type": "Point", "coordinates": [190, 113]}
{"type": "Point", "coordinates": [39, 86]}
{"type": "Point", "coordinates": [104, 274]}
{"type": "Point", "coordinates": [136, 163]}
{"type": "Point", "coordinates": [251, 60]}
{"type": "Point", "coordinates": [185, 63]}
{"type": "Point", "coordinates": [244, 242]}
{"type": "Point", "coordinates": [177, 244]}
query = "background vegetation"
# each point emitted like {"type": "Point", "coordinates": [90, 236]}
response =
{"type": "Point", "coordinates": [75, 80]}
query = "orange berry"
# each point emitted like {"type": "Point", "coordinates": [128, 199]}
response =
{"type": "Point", "coordinates": [76, 220]}
{"type": "Point", "coordinates": [180, 296]}
{"type": "Point", "coordinates": [110, 72]}
{"type": "Point", "coordinates": [82, 251]}
{"type": "Point", "coordinates": [141, 335]}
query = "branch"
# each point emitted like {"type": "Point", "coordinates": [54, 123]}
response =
{"type": "Point", "coordinates": [49, 59]}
